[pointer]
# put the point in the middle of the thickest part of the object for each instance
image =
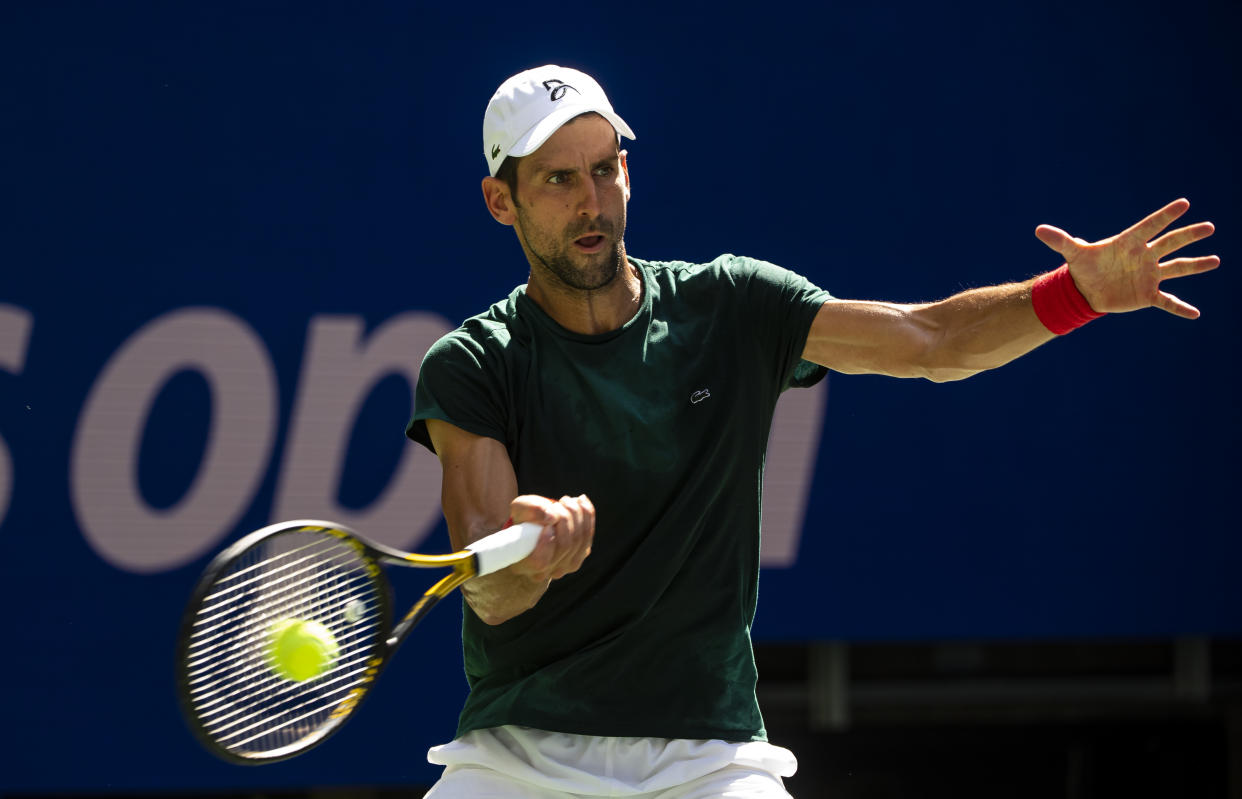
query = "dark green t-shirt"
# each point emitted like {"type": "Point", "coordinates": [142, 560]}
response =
{"type": "Point", "coordinates": [663, 423]}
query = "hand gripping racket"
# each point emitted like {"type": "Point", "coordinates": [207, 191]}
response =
{"type": "Point", "coordinates": [243, 709]}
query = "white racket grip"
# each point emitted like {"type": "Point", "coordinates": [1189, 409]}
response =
{"type": "Point", "coordinates": [506, 547]}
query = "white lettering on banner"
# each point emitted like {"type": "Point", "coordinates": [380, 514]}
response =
{"type": "Point", "coordinates": [793, 444]}
{"type": "Point", "coordinates": [15, 326]}
{"type": "Point", "coordinates": [113, 516]}
{"type": "Point", "coordinates": [339, 371]}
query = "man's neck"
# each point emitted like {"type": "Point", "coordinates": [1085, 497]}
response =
{"type": "Point", "coordinates": [589, 312]}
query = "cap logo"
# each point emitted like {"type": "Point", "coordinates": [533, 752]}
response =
{"type": "Point", "coordinates": [557, 88]}
{"type": "Point", "coordinates": [495, 151]}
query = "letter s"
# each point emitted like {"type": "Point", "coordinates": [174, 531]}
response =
{"type": "Point", "coordinates": [15, 326]}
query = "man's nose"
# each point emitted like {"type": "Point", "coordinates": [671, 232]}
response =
{"type": "Point", "coordinates": [588, 200]}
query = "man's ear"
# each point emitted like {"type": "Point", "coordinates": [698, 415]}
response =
{"type": "Point", "coordinates": [625, 170]}
{"type": "Point", "coordinates": [499, 203]}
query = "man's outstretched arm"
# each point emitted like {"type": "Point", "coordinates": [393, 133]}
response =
{"type": "Point", "coordinates": [985, 328]}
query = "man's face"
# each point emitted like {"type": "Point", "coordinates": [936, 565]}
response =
{"type": "Point", "coordinates": [573, 191]}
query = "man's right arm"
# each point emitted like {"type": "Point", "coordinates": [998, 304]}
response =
{"type": "Point", "coordinates": [479, 495]}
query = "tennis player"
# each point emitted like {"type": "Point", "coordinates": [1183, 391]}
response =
{"type": "Point", "coordinates": [625, 404]}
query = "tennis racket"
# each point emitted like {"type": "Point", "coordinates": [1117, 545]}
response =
{"type": "Point", "coordinates": [244, 710]}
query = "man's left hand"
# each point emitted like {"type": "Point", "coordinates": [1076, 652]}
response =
{"type": "Point", "coordinates": [1124, 272]}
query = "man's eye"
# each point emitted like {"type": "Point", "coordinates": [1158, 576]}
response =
{"type": "Point", "coordinates": [558, 177]}
{"type": "Point", "coordinates": [603, 171]}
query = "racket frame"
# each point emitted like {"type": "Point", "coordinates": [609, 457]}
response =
{"type": "Point", "coordinates": [387, 637]}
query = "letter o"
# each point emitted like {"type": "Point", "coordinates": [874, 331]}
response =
{"type": "Point", "coordinates": [115, 519]}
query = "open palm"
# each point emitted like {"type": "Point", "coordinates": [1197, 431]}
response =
{"type": "Point", "coordinates": [1124, 272]}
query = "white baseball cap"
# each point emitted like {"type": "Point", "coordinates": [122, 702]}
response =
{"type": "Point", "coordinates": [532, 105]}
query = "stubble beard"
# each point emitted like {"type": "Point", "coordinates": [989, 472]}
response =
{"type": "Point", "coordinates": [585, 272]}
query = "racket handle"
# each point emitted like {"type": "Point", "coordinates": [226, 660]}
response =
{"type": "Point", "coordinates": [504, 548]}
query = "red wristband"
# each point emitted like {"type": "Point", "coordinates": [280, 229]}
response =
{"type": "Point", "coordinates": [1058, 302]}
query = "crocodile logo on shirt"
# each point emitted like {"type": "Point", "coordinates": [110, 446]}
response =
{"type": "Point", "coordinates": [699, 396]}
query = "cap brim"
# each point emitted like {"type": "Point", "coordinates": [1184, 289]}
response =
{"type": "Point", "coordinates": [534, 138]}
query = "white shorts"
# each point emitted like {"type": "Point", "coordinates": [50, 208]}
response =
{"type": "Point", "coordinates": [519, 762]}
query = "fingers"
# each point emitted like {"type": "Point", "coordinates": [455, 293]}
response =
{"type": "Point", "coordinates": [1176, 239]}
{"type": "Point", "coordinates": [574, 536]}
{"type": "Point", "coordinates": [1180, 267]}
{"type": "Point", "coordinates": [1057, 239]}
{"type": "Point", "coordinates": [532, 508]}
{"type": "Point", "coordinates": [569, 529]}
{"type": "Point", "coordinates": [1167, 302]}
{"type": "Point", "coordinates": [1158, 221]}
{"type": "Point", "coordinates": [1125, 270]}
{"type": "Point", "coordinates": [1145, 230]}
{"type": "Point", "coordinates": [1065, 244]}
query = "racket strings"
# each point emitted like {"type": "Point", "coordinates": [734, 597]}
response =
{"type": "Point", "coordinates": [232, 668]}
{"type": "Point", "coordinates": [344, 679]}
{"type": "Point", "coordinates": [310, 563]}
{"type": "Point", "coordinates": [211, 634]}
{"type": "Point", "coordinates": [309, 575]}
{"type": "Point", "coordinates": [221, 698]}
{"type": "Point", "coordinates": [213, 631]}
{"type": "Point", "coordinates": [279, 602]}
{"type": "Point", "coordinates": [294, 710]}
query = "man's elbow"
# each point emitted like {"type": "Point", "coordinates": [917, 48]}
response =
{"type": "Point", "coordinates": [941, 359]}
{"type": "Point", "coordinates": [950, 374]}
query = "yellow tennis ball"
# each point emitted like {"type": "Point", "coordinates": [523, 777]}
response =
{"type": "Point", "coordinates": [300, 650]}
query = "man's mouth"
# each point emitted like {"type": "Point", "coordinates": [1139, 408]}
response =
{"type": "Point", "coordinates": [591, 243]}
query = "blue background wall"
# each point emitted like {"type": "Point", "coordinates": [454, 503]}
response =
{"type": "Point", "coordinates": [295, 163]}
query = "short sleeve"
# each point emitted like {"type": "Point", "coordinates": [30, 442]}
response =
{"type": "Point", "coordinates": [782, 304]}
{"type": "Point", "coordinates": [459, 383]}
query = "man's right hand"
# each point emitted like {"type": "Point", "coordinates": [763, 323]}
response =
{"type": "Point", "coordinates": [479, 486]}
{"type": "Point", "coordinates": [569, 529]}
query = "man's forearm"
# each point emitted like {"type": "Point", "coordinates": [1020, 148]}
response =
{"type": "Point", "coordinates": [952, 339]}
{"type": "Point", "coordinates": [500, 596]}
{"type": "Point", "coordinates": [980, 329]}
